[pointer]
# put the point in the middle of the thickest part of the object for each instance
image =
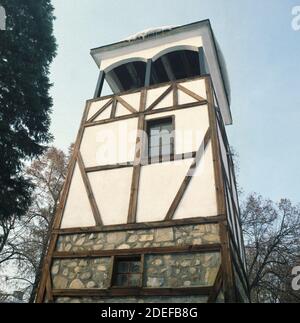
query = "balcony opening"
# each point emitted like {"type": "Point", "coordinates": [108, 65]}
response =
{"type": "Point", "coordinates": [127, 77]}
{"type": "Point", "coordinates": [175, 66]}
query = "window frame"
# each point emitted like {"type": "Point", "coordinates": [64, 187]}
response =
{"type": "Point", "coordinates": [116, 260]}
{"type": "Point", "coordinates": [161, 157]}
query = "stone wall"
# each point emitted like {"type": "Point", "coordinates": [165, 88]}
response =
{"type": "Point", "coordinates": [181, 270]}
{"type": "Point", "coordinates": [177, 270]}
{"type": "Point", "coordinates": [80, 274]}
{"type": "Point", "coordinates": [160, 271]}
{"type": "Point", "coordinates": [163, 237]}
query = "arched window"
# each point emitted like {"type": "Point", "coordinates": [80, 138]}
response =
{"type": "Point", "coordinates": [134, 73]}
{"type": "Point", "coordinates": [128, 76]}
{"type": "Point", "coordinates": [175, 65]}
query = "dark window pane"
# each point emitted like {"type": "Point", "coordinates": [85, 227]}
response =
{"type": "Point", "coordinates": [134, 280]}
{"type": "Point", "coordinates": [122, 280]}
{"type": "Point", "coordinates": [125, 80]}
{"type": "Point", "coordinates": [135, 267]}
{"type": "Point", "coordinates": [127, 272]}
{"type": "Point", "coordinates": [183, 64]}
{"type": "Point", "coordinates": [123, 267]}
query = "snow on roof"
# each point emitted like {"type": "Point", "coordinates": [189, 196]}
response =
{"type": "Point", "coordinates": [148, 32]}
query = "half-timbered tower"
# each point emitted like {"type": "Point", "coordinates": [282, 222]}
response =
{"type": "Point", "coordinates": [149, 211]}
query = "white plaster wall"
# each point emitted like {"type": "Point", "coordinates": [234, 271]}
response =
{"type": "Point", "coordinates": [159, 184]}
{"type": "Point", "coordinates": [200, 198]}
{"type": "Point", "coordinates": [121, 110]}
{"type": "Point", "coordinates": [183, 98]}
{"type": "Point", "coordinates": [109, 144]}
{"type": "Point", "coordinates": [112, 193]}
{"type": "Point", "coordinates": [133, 99]}
{"type": "Point", "coordinates": [191, 125]}
{"type": "Point", "coordinates": [78, 212]}
{"type": "Point", "coordinates": [165, 102]}
{"type": "Point", "coordinates": [197, 86]}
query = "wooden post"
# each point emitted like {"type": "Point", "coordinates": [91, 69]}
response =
{"type": "Point", "coordinates": [148, 73]}
{"type": "Point", "coordinates": [202, 61]}
{"type": "Point", "coordinates": [99, 84]}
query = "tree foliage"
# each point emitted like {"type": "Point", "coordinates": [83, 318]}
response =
{"type": "Point", "coordinates": [28, 236]}
{"type": "Point", "coordinates": [27, 48]}
{"type": "Point", "coordinates": [272, 241]}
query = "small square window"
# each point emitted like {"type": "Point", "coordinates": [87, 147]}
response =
{"type": "Point", "coordinates": [127, 272]}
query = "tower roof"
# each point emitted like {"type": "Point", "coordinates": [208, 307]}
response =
{"type": "Point", "coordinates": [152, 42]}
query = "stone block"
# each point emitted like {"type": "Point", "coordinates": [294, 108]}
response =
{"type": "Point", "coordinates": [76, 284]}
{"type": "Point", "coordinates": [164, 235]}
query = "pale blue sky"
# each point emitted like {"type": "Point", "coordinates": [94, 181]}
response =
{"type": "Point", "coordinates": [262, 52]}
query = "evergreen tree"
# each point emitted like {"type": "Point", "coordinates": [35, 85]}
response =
{"type": "Point", "coordinates": [27, 48]}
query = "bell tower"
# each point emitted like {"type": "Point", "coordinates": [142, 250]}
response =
{"type": "Point", "coordinates": [149, 211]}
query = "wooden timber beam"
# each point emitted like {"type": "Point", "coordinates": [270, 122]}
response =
{"type": "Point", "coordinates": [143, 226]}
{"type": "Point", "coordinates": [89, 191]}
{"type": "Point", "coordinates": [99, 86]}
{"type": "Point", "coordinates": [188, 177]}
{"type": "Point", "coordinates": [132, 211]}
{"type": "Point", "coordinates": [156, 111]}
{"type": "Point", "coordinates": [148, 73]}
{"type": "Point", "coordinates": [191, 93]}
{"type": "Point", "coordinates": [126, 105]}
{"type": "Point", "coordinates": [116, 292]}
{"type": "Point", "coordinates": [114, 108]}
{"type": "Point", "coordinates": [144, 162]}
{"type": "Point", "coordinates": [100, 111]}
{"type": "Point", "coordinates": [175, 95]}
{"type": "Point", "coordinates": [207, 248]}
{"type": "Point", "coordinates": [202, 61]}
{"type": "Point", "coordinates": [154, 86]}
{"type": "Point", "coordinates": [108, 167]}
{"type": "Point", "coordinates": [40, 296]}
{"type": "Point", "coordinates": [217, 288]}
{"type": "Point", "coordinates": [160, 98]}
